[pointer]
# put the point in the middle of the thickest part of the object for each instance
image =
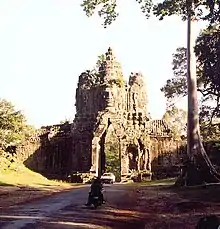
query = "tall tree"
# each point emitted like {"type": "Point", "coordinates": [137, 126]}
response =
{"type": "Point", "coordinates": [189, 10]}
{"type": "Point", "coordinates": [207, 51]}
{"type": "Point", "coordinates": [199, 168]}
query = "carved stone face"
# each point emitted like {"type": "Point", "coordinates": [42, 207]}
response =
{"type": "Point", "coordinates": [108, 96]}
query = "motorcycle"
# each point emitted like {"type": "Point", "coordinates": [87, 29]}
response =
{"type": "Point", "coordinates": [96, 201]}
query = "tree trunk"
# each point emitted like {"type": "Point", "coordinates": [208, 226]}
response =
{"type": "Point", "coordinates": [198, 169]}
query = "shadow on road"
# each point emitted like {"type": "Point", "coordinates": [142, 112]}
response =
{"type": "Point", "coordinates": [128, 206]}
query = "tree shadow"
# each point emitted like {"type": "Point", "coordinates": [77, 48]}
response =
{"type": "Point", "coordinates": [162, 210]}
{"type": "Point", "coordinates": [202, 193]}
{"type": "Point", "coordinates": [5, 184]}
{"type": "Point", "coordinates": [170, 163]}
{"type": "Point", "coordinates": [53, 157]}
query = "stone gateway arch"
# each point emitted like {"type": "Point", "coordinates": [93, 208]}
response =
{"type": "Point", "coordinates": [106, 103]}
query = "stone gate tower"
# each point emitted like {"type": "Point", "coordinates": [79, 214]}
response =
{"type": "Point", "coordinates": [105, 101]}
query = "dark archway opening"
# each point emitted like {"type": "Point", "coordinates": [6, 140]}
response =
{"type": "Point", "coordinates": [102, 157]}
{"type": "Point", "coordinates": [113, 159]}
{"type": "Point", "coordinates": [112, 153]}
{"type": "Point", "coordinates": [133, 157]}
{"type": "Point", "coordinates": [109, 154]}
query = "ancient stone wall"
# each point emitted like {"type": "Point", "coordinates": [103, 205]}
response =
{"type": "Point", "coordinates": [52, 153]}
{"type": "Point", "coordinates": [106, 104]}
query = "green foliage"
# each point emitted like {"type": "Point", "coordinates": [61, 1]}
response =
{"type": "Point", "coordinates": [13, 131]}
{"type": "Point", "coordinates": [13, 127]}
{"type": "Point", "coordinates": [212, 147]}
{"type": "Point", "coordinates": [208, 10]}
{"type": "Point", "coordinates": [176, 120]}
{"type": "Point", "coordinates": [107, 9]}
{"type": "Point", "coordinates": [4, 160]}
{"type": "Point", "coordinates": [112, 154]}
{"type": "Point", "coordinates": [199, 9]}
{"type": "Point", "coordinates": [113, 163]}
{"type": "Point", "coordinates": [207, 50]}
{"type": "Point", "coordinates": [119, 82]}
{"type": "Point", "coordinates": [177, 86]}
{"type": "Point", "coordinates": [208, 74]}
{"type": "Point", "coordinates": [100, 61]}
{"type": "Point", "coordinates": [99, 70]}
{"type": "Point", "coordinates": [170, 7]}
{"type": "Point", "coordinates": [210, 131]}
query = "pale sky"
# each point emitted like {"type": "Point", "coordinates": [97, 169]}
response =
{"type": "Point", "coordinates": [46, 44]}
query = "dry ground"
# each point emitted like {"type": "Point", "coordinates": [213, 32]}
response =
{"type": "Point", "coordinates": [128, 206]}
{"type": "Point", "coordinates": [19, 185]}
{"type": "Point", "coordinates": [11, 196]}
{"type": "Point", "coordinates": [166, 207]}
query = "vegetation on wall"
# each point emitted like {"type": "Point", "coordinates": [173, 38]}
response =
{"type": "Point", "coordinates": [118, 82]}
{"type": "Point", "coordinates": [112, 155]}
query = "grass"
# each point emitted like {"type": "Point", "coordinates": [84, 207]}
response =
{"type": "Point", "coordinates": [205, 193]}
{"type": "Point", "coordinates": [168, 181]}
{"type": "Point", "coordinates": [19, 185]}
{"type": "Point", "coordinates": [19, 175]}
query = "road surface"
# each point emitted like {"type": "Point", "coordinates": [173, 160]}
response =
{"type": "Point", "coordinates": [67, 210]}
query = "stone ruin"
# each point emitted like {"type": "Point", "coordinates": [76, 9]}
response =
{"type": "Point", "coordinates": [108, 107]}
{"type": "Point", "coordinates": [111, 116]}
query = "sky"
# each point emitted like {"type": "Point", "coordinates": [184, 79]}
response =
{"type": "Point", "coordinates": [46, 44]}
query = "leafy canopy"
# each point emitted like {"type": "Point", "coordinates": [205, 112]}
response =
{"type": "Point", "coordinates": [13, 127]}
{"type": "Point", "coordinates": [202, 9]}
{"type": "Point", "coordinates": [177, 85]}
{"type": "Point", "coordinates": [207, 51]}
{"type": "Point", "coordinates": [176, 120]}
{"type": "Point", "coordinates": [199, 9]}
{"type": "Point", "coordinates": [208, 73]}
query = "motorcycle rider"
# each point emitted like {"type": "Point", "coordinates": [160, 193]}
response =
{"type": "Point", "coordinates": [96, 189]}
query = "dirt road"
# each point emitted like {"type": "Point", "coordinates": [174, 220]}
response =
{"type": "Point", "coordinates": [67, 210]}
{"type": "Point", "coordinates": [128, 206]}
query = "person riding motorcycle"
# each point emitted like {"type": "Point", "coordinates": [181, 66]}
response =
{"type": "Point", "coordinates": [95, 190]}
